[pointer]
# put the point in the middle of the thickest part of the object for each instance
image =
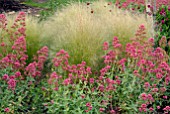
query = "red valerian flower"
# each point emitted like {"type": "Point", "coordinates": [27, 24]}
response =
{"type": "Point", "coordinates": [88, 104]}
{"type": "Point", "coordinates": [12, 84]}
{"type": "Point", "coordinates": [7, 110]}
{"type": "Point", "coordinates": [5, 77]}
{"type": "Point", "coordinates": [101, 109]}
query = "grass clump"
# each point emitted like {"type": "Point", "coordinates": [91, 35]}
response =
{"type": "Point", "coordinates": [81, 28]}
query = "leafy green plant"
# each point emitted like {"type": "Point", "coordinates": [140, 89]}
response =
{"type": "Point", "coordinates": [134, 77]}
{"type": "Point", "coordinates": [32, 34]}
{"type": "Point", "coordinates": [27, 96]}
{"type": "Point", "coordinates": [134, 83]}
{"type": "Point", "coordinates": [74, 99]}
{"type": "Point", "coordinates": [163, 27]}
{"type": "Point", "coordinates": [21, 85]}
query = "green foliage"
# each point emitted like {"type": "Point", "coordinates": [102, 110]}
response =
{"type": "Point", "coordinates": [27, 97]}
{"type": "Point", "coordinates": [126, 73]}
{"type": "Point", "coordinates": [33, 35]}
{"type": "Point", "coordinates": [51, 6]}
{"type": "Point", "coordinates": [163, 27]}
{"type": "Point", "coordinates": [72, 99]}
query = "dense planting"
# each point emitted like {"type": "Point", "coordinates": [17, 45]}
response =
{"type": "Point", "coordinates": [131, 77]}
{"type": "Point", "coordinates": [160, 10]}
{"type": "Point", "coordinates": [91, 25]}
{"type": "Point", "coordinates": [162, 30]}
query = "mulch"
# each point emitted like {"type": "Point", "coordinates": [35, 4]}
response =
{"type": "Point", "coordinates": [13, 6]}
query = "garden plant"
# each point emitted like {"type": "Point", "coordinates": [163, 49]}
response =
{"type": "Point", "coordinates": [83, 62]}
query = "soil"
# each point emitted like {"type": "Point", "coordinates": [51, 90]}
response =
{"type": "Point", "coordinates": [13, 6]}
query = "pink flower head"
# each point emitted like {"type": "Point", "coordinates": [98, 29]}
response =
{"type": "Point", "coordinates": [149, 96]}
{"type": "Point", "coordinates": [90, 107]}
{"type": "Point", "coordinates": [105, 46]}
{"type": "Point", "coordinates": [5, 77]}
{"type": "Point", "coordinates": [117, 45]}
{"type": "Point", "coordinates": [56, 88]}
{"type": "Point", "coordinates": [17, 64]}
{"type": "Point", "coordinates": [142, 26]}
{"type": "Point", "coordinates": [122, 61]}
{"type": "Point", "coordinates": [151, 40]}
{"type": "Point", "coordinates": [88, 70]}
{"type": "Point", "coordinates": [163, 89]}
{"type": "Point", "coordinates": [155, 90]}
{"type": "Point", "coordinates": [158, 107]}
{"type": "Point", "coordinates": [167, 108]}
{"type": "Point", "coordinates": [159, 75]}
{"type": "Point", "coordinates": [2, 44]}
{"type": "Point", "coordinates": [88, 104]}
{"type": "Point", "coordinates": [163, 21]}
{"type": "Point", "coordinates": [115, 42]}
{"type": "Point", "coordinates": [66, 82]}
{"type": "Point", "coordinates": [169, 8]}
{"type": "Point", "coordinates": [165, 97]}
{"type": "Point", "coordinates": [83, 96]}
{"type": "Point", "coordinates": [17, 74]}
{"type": "Point", "coordinates": [54, 75]}
{"type": "Point", "coordinates": [101, 88]}
{"type": "Point", "coordinates": [12, 84]}
{"type": "Point", "coordinates": [7, 110]}
{"type": "Point", "coordinates": [31, 69]}
{"type": "Point", "coordinates": [22, 13]}
{"type": "Point", "coordinates": [151, 109]}
{"type": "Point", "coordinates": [118, 81]}
{"type": "Point", "coordinates": [144, 96]}
{"type": "Point", "coordinates": [147, 85]}
{"type": "Point", "coordinates": [91, 80]}
{"type": "Point", "coordinates": [112, 112]}
{"type": "Point", "coordinates": [143, 105]}
{"type": "Point", "coordinates": [86, 111]}
{"type": "Point", "coordinates": [101, 109]}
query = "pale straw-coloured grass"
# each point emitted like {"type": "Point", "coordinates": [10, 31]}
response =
{"type": "Point", "coordinates": [81, 33]}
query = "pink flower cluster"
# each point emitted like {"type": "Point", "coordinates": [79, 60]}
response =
{"type": "Point", "coordinates": [11, 80]}
{"type": "Point", "coordinates": [105, 46]}
{"type": "Point", "coordinates": [14, 53]}
{"type": "Point", "coordinates": [61, 58]}
{"type": "Point", "coordinates": [148, 97]}
{"type": "Point", "coordinates": [34, 69]}
{"type": "Point", "coordinates": [3, 21]}
{"type": "Point", "coordinates": [140, 3]}
{"type": "Point", "coordinates": [17, 39]}
{"type": "Point", "coordinates": [148, 64]}
{"type": "Point", "coordinates": [167, 109]}
{"type": "Point", "coordinates": [116, 43]}
{"type": "Point", "coordinates": [7, 110]}
{"type": "Point", "coordinates": [89, 107]}
{"type": "Point", "coordinates": [75, 72]}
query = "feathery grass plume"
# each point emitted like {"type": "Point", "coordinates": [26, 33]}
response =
{"type": "Point", "coordinates": [81, 29]}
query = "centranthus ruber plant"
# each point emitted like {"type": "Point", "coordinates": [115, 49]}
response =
{"type": "Point", "coordinates": [14, 49]}
{"type": "Point", "coordinates": [162, 30]}
{"type": "Point", "coordinates": [139, 5]}
{"type": "Point", "coordinates": [143, 71]}
{"type": "Point", "coordinates": [134, 78]}
{"type": "Point", "coordinates": [18, 80]}
{"type": "Point", "coordinates": [136, 82]}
